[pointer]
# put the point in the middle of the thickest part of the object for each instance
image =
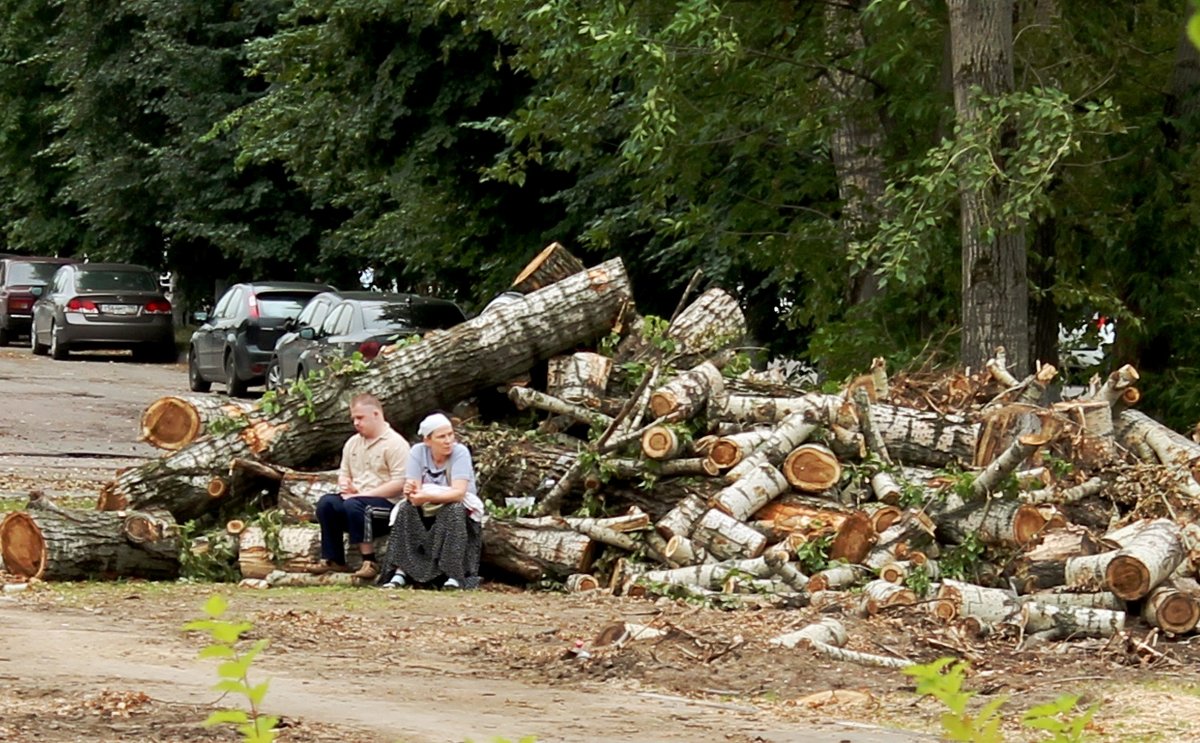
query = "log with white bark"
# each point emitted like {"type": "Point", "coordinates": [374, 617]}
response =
{"type": "Point", "coordinates": [1066, 495]}
{"type": "Point", "coordinates": [787, 572]}
{"type": "Point", "coordinates": [729, 451]}
{"type": "Point", "coordinates": [580, 378]}
{"type": "Point", "coordinates": [1094, 443]}
{"type": "Point", "coordinates": [1145, 560]}
{"type": "Point", "coordinates": [1092, 600]}
{"type": "Point", "coordinates": [899, 571]}
{"type": "Point", "coordinates": [828, 631]}
{"type": "Point", "coordinates": [837, 578]}
{"type": "Point", "coordinates": [534, 554]}
{"type": "Point", "coordinates": [957, 599]}
{"type": "Point", "coordinates": [50, 542]}
{"type": "Point", "coordinates": [754, 490]}
{"type": "Point", "coordinates": [992, 520]}
{"type": "Point", "coordinates": [1010, 459]}
{"type": "Point", "coordinates": [633, 469]}
{"type": "Point", "coordinates": [633, 520]}
{"type": "Point", "coordinates": [689, 393]}
{"type": "Point", "coordinates": [298, 492]}
{"type": "Point", "coordinates": [174, 421]}
{"type": "Point", "coordinates": [886, 487]}
{"type": "Point", "coordinates": [871, 434]}
{"type": "Point", "coordinates": [888, 594]}
{"type": "Point", "coordinates": [580, 582]}
{"type": "Point", "coordinates": [284, 579]}
{"type": "Point", "coordinates": [663, 442]}
{"type": "Point", "coordinates": [526, 397]}
{"type": "Point", "coordinates": [553, 263]}
{"type": "Point", "coordinates": [1141, 434]}
{"type": "Point", "coordinates": [788, 434]}
{"type": "Point", "coordinates": [681, 551]}
{"type": "Point", "coordinates": [1116, 384]}
{"type": "Point", "coordinates": [437, 372]}
{"type": "Point", "coordinates": [683, 517]}
{"type": "Point", "coordinates": [725, 537]}
{"type": "Point", "coordinates": [812, 468]}
{"type": "Point", "coordinates": [711, 575]}
{"type": "Point", "coordinates": [292, 549]}
{"type": "Point", "coordinates": [712, 322]}
{"type": "Point", "coordinates": [1171, 609]}
{"type": "Point", "coordinates": [1044, 566]}
{"type": "Point", "coordinates": [1049, 622]}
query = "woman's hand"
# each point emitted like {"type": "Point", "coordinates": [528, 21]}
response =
{"type": "Point", "coordinates": [418, 498]}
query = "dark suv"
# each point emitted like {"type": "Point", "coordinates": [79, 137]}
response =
{"type": "Point", "coordinates": [18, 278]}
{"type": "Point", "coordinates": [233, 345]}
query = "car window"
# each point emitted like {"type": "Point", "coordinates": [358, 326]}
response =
{"type": "Point", "coordinates": [30, 273]}
{"type": "Point", "coordinates": [62, 280]}
{"type": "Point", "coordinates": [281, 304]}
{"type": "Point", "coordinates": [92, 281]}
{"type": "Point", "coordinates": [314, 312]}
{"type": "Point", "coordinates": [329, 327]}
{"type": "Point", "coordinates": [405, 315]}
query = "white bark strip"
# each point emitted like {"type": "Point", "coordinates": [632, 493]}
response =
{"type": "Point", "coordinates": [988, 605]}
{"type": "Point", "coordinates": [725, 537]}
{"type": "Point", "coordinates": [828, 631]}
{"type": "Point", "coordinates": [1086, 489]}
{"type": "Point", "coordinates": [1095, 600]}
{"type": "Point", "coordinates": [753, 491]}
{"type": "Point", "coordinates": [711, 575]}
{"type": "Point", "coordinates": [1068, 622]}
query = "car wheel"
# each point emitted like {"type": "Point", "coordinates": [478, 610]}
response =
{"type": "Point", "coordinates": [196, 383]}
{"type": "Point", "coordinates": [37, 348]}
{"type": "Point", "coordinates": [233, 385]}
{"type": "Point", "coordinates": [58, 349]}
{"type": "Point", "coordinates": [274, 376]}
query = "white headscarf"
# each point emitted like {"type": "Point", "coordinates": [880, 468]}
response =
{"type": "Point", "coordinates": [433, 423]}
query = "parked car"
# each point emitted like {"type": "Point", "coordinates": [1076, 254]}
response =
{"type": "Point", "coordinates": [18, 277]}
{"type": "Point", "coordinates": [363, 322]}
{"type": "Point", "coordinates": [313, 316]}
{"type": "Point", "coordinates": [103, 305]}
{"type": "Point", "coordinates": [234, 344]}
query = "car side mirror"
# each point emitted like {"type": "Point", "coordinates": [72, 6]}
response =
{"type": "Point", "coordinates": [200, 317]}
{"type": "Point", "coordinates": [308, 333]}
{"type": "Point", "coordinates": [37, 291]}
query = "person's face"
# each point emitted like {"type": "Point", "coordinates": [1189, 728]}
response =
{"type": "Point", "coordinates": [367, 419]}
{"type": "Point", "coordinates": [441, 441]}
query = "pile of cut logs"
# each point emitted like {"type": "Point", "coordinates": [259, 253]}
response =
{"type": "Point", "coordinates": [663, 466]}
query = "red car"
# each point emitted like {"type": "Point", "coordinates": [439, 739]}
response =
{"type": "Point", "coordinates": [18, 277]}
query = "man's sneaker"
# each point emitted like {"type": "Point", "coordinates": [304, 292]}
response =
{"type": "Point", "coordinates": [451, 584]}
{"type": "Point", "coordinates": [368, 571]}
{"type": "Point", "coordinates": [398, 581]}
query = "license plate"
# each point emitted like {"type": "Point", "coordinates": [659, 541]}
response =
{"type": "Point", "coordinates": [119, 309]}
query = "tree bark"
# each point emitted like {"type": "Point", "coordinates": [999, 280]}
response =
{"type": "Point", "coordinates": [1146, 560]}
{"type": "Point", "coordinates": [995, 293]}
{"type": "Point", "coordinates": [437, 372]}
{"type": "Point", "coordinates": [535, 554]}
{"type": "Point", "coordinates": [714, 321]}
{"type": "Point", "coordinates": [689, 393]}
{"type": "Point", "coordinates": [54, 543]}
{"type": "Point", "coordinates": [1170, 609]}
{"type": "Point", "coordinates": [580, 378]}
{"type": "Point", "coordinates": [724, 537]}
{"type": "Point", "coordinates": [753, 491]}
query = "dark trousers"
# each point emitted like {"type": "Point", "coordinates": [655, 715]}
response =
{"type": "Point", "coordinates": [338, 516]}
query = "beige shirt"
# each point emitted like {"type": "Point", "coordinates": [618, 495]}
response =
{"type": "Point", "coordinates": [370, 464]}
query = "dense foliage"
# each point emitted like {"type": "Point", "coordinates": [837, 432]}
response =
{"type": "Point", "coordinates": [441, 143]}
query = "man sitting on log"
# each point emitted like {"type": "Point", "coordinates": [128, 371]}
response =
{"type": "Point", "coordinates": [371, 475]}
{"type": "Point", "coordinates": [437, 529]}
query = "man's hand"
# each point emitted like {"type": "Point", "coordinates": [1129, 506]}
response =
{"type": "Point", "coordinates": [348, 490]}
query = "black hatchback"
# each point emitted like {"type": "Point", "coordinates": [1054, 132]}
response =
{"type": "Point", "coordinates": [233, 345]}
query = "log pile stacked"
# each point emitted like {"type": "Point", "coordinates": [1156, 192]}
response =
{"type": "Point", "coordinates": [656, 466]}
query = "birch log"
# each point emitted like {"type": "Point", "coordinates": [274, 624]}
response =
{"type": "Point", "coordinates": [689, 393]}
{"type": "Point", "coordinates": [436, 372]}
{"type": "Point", "coordinates": [725, 537]}
{"type": "Point", "coordinates": [662, 442]}
{"type": "Point", "coordinates": [711, 575]}
{"type": "Point", "coordinates": [992, 520]}
{"type": "Point", "coordinates": [580, 378]}
{"type": "Point", "coordinates": [714, 321]}
{"type": "Point", "coordinates": [1050, 622]}
{"type": "Point", "coordinates": [837, 578]}
{"type": "Point", "coordinates": [1172, 610]}
{"type": "Point", "coordinates": [812, 468]}
{"type": "Point", "coordinates": [682, 518]}
{"type": "Point", "coordinates": [1146, 560]}
{"type": "Point", "coordinates": [777, 560]}
{"type": "Point", "coordinates": [888, 594]}
{"type": "Point", "coordinates": [728, 451]}
{"type": "Point", "coordinates": [956, 599]}
{"type": "Point", "coordinates": [753, 491]}
{"type": "Point", "coordinates": [525, 397]}
{"type": "Point", "coordinates": [787, 435]}
{"type": "Point", "coordinates": [534, 554]}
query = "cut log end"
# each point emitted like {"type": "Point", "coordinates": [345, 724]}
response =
{"type": "Point", "coordinates": [1128, 577]}
{"type": "Point", "coordinates": [171, 423]}
{"type": "Point", "coordinates": [725, 453]}
{"type": "Point", "coordinates": [1028, 523]}
{"type": "Point", "coordinates": [660, 442]}
{"type": "Point", "coordinates": [662, 403]}
{"type": "Point", "coordinates": [22, 545]}
{"type": "Point", "coordinates": [812, 468]}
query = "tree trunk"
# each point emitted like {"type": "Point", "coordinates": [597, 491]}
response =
{"type": "Point", "coordinates": [995, 293]}
{"type": "Point", "coordinates": [689, 393]}
{"type": "Point", "coordinates": [173, 422]}
{"type": "Point", "coordinates": [1146, 560]}
{"type": "Point", "coordinates": [714, 321]}
{"type": "Point", "coordinates": [681, 519]}
{"type": "Point", "coordinates": [580, 378]}
{"type": "Point", "coordinates": [54, 543]}
{"type": "Point", "coordinates": [724, 537]}
{"type": "Point", "coordinates": [535, 554]}
{"type": "Point", "coordinates": [992, 520]}
{"type": "Point", "coordinates": [753, 491]}
{"type": "Point", "coordinates": [437, 372]}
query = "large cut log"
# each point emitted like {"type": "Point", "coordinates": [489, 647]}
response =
{"type": "Point", "coordinates": [714, 321]}
{"type": "Point", "coordinates": [436, 372]}
{"type": "Point", "coordinates": [683, 517]}
{"type": "Point", "coordinates": [554, 263]}
{"type": "Point", "coordinates": [1146, 560]}
{"type": "Point", "coordinates": [293, 548]}
{"type": "Point", "coordinates": [1171, 609]}
{"type": "Point", "coordinates": [956, 599]}
{"type": "Point", "coordinates": [992, 520]}
{"type": "Point", "coordinates": [1048, 622]}
{"type": "Point", "coordinates": [535, 554]}
{"type": "Point", "coordinates": [173, 422]}
{"type": "Point", "coordinates": [812, 468]}
{"type": "Point", "coordinates": [54, 543]}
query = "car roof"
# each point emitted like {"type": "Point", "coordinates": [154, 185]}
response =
{"type": "Point", "coordinates": [37, 259]}
{"type": "Point", "coordinates": [392, 298]}
{"type": "Point", "coordinates": [285, 286]}
{"type": "Point", "coordinates": [111, 267]}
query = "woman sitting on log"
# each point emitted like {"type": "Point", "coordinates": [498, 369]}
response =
{"type": "Point", "coordinates": [437, 530]}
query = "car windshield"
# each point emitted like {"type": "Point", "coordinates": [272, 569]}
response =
{"type": "Point", "coordinates": [116, 280]}
{"type": "Point", "coordinates": [31, 273]}
{"type": "Point", "coordinates": [281, 304]}
{"type": "Point", "coordinates": [405, 316]}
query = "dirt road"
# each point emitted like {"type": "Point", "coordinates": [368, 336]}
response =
{"type": "Point", "coordinates": [109, 663]}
